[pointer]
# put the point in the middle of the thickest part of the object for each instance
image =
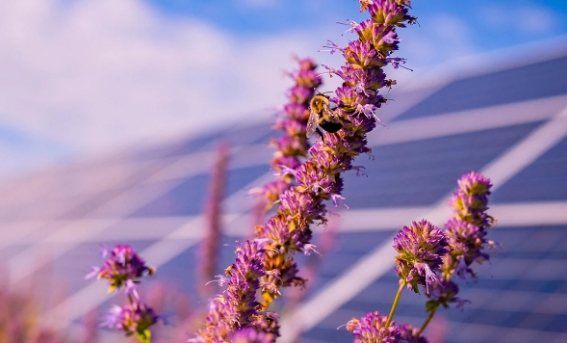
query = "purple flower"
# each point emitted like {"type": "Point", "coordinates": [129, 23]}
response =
{"type": "Point", "coordinates": [372, 328]}
{"type": "Point", "coordinates": [420, 247]}
{"type": "Point", "coordinates": [133, 319]}
{"type": "Point", "coordinates": [123, 268]}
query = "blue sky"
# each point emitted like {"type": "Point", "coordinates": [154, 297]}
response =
{"type": "Point", "coordinates": [493, 23]}
{"type": "Point", "coordinates": [83, 77]}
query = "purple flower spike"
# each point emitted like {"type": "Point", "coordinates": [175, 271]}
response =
{"type": "Point", "coordinates": [122, 269]}
{"type": "Point", "coordinates": [466, 231]}
{"type": "Point", "coordinates": [420, 247]}
{"type": "Point", "coordinates": [372, 328]}
{"type": "Point", "coordinates": [292, 147]}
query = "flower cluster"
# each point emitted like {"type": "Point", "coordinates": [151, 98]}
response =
{"type": "Point", "coordinates": [123, 269]}
{"type": "Point", "coordinates": [134, 319]}
{"type": "Point", "coordinates": [373, 328]}
{"type": "Point", "coordinates": [420, 247]}
{"type": "Point", "coordinates": [466, 230]}
{"type": "Point", "coordinates": [237, 308]}
{"type": "Point", "coordinates": [293, 145]}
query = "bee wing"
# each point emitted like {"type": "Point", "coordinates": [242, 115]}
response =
{"type": "Point", "coordinates": [312, 124]}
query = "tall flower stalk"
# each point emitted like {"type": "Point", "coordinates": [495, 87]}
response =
{"type": "Point", "coordinates": [319, 178]}
{"type": "Point", "coordinates": [213, 215]}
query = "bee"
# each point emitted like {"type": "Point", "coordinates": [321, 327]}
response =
{"type": "Point", "coordinates": [322, 116]}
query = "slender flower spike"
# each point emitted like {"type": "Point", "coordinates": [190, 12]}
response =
{"type": "Point", "coordinates": [466, 231]}
{"type": "Point", "coordinates": [292, 147]}
{"type": "Point", "coordinates": [372, 329]}
{"type": "Point", "coordinates": [123, 268]}
{"type": "Point", "coordinates": [420, 247]}
{"type": "Point", "coordinates": [134, 319]}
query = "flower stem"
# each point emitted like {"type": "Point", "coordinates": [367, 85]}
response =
{"type": "Point", "coordinates": [396, 301]}
{"type": "Point", "coordinates": [431, 314]}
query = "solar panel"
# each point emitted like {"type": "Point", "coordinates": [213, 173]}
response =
{"type": "Point", "coordinates": [153, 199]}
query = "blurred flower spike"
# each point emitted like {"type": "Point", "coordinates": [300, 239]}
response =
{"type": "Point", "coordinates": [123, 269]}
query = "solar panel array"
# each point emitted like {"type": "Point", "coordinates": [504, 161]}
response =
{"type": "Point", "coordinates": [510, 124]}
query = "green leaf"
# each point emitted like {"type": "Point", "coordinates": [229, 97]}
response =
{"type": "Point", "coordinates": [144, 336]}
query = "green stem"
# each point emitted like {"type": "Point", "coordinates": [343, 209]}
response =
{"type": "Point", "coordinates": [431, 314]}
{"type": "Point", "coordinates": [395, 304]}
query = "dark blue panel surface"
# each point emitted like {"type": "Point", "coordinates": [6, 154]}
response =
{"type": "Point", "coordinates": [543, 180]}
{"type": "Point", "coordinates": [189, 196]}
{"type": "Point", "coordinates": [379, 295]}
{"type": "Point", "coordinates": [421, 172]}
{"type": "Point", "coordinates": [528, 82]}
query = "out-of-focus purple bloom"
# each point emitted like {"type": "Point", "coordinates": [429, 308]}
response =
{"type": "Point", "coordinates": [250, 335]}
{"type": "Point", "coordinates": [133, 319]}
{"type": "Point", "coordinates": [444, 292]}
{"type": "Point", "coordinates": [466, 231]}
{"type": "Point", "coordinates": [372, 329]}
{"type": "Point", "coordinates": [122, 269]}
{"type": "Point", "coordinates": [409, 334]}
{"type": "Point", "coordinates": [420, 247]}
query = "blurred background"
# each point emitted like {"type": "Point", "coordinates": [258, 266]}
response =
{"type": "Point", "coordinates": [112, 114]}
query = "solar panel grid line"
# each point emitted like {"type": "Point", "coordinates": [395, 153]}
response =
{"type": "Point", "coordinates": [157, 254]}
{"type": "Point", "coordinates": [469, 121]}
{"type": "Point", "coordinates": [381, 259]}
{"type": "Point", "coordinates": [352, 220]}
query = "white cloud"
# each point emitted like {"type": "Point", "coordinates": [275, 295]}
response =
{"type": "Point", "coordinates": [97, 75]}
{"type": "Point", "coordinates": [523, 18]}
